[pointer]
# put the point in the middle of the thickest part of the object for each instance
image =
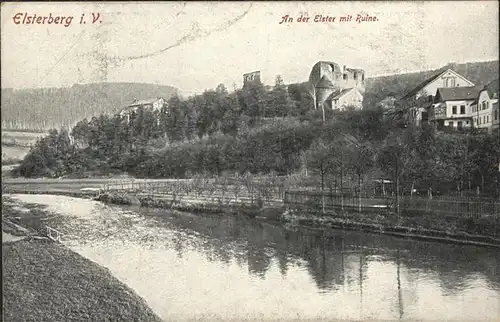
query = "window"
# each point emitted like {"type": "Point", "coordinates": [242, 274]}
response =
{"type": "Point", "coordinates": [467, 122]}
{"type": "Point", "coordinates": [484, 119]}
{"type": "Point", "coordinates": [487, 119]}
{"type": "Point", "coordinates": [484, 105]}
{"type": "Point", "coordinates": [449, 82]}
{"type": "Point", "coordinates": [478, 121]}
{"type": "Point", "coordinates": [462, 109]}
{"type": "Point", "coordinates": [355, 76]}
{"type": "Point", "coordinates": [496, 115]}
{"type": "Point", "coordinates": [450, 124]}
{"type": "Point", "coordinates": [345, 76]}
{"type": "Point", "coordinates": [454, 109]}
{"type": "Point", "coordinates": [459, 125]}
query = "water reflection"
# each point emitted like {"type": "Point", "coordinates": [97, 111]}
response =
{"type": "Point", "coordinates": [220, 267]}
{"type": "Point", "coordinates": [327, 254]}
{"type": "Point", "coordinates": [396, 271]}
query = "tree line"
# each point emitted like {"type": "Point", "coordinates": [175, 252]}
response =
{"type": "Point", "coordinates": [270, 131]}
{"type": "Point", "coordinates": [42, 109]}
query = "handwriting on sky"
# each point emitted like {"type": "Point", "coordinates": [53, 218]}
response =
{"type": "Point", "coordinates": [25, 18]}
{"type": "Point", "coordinates": [357, 18]}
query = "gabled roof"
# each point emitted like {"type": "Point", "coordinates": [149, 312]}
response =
{"type": "Point", "coordinates": [339, 93]}
{"type": "Point", "coordinates": [492, 88]}
{"type": "Point", "coordinates": [458, 93]}
{"type": "Point", "coordinates": [144, 102]}
{"type": "Point", "coordinates": [423, 84]}
{"type": "Point", "coordinates": [427, 82]}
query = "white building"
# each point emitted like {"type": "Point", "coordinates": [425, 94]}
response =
{"type": "Point", "coordinates": [485, 113]}
{"type": "Point", "coordinates": [341, 99]}
{"type": "Point", "coordinates": [453, 107]}
{"type": "Point", "coordinates": [155, 104]}
{"type": "Point", "coordinates": [420, 99]}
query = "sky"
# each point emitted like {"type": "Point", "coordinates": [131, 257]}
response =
{"type": "Point", "coordinates": [195, 46]}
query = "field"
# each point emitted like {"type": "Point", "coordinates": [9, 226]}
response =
{"type": "Point", "coordinates": [13, 154]}
{"type": "Point", "coordinates": [25, 139]}
{"type": "Point", "coordinates": [15, 145]}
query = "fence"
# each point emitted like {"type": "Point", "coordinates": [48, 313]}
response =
{"type": "Point", "coordinates": [53, 234]}
{"type": "Point", "coordinates": [203, 190]}
{"type": "Point", "coordinates": [465, 206]}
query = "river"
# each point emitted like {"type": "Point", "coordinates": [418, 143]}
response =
{"type": "Point", "coordinates": [220, 267]}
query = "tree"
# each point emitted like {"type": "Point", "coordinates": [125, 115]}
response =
{"type": "Point", "coordinates": [394, 159]}
{"type": "Point", "coordinates": [80, 134]}
{"type": "Point", "coordinates": [253, 101]}
{"type": "Point", "coordinates": [360, 160]}
{"type": "Point", "coordinates": [457, 161]}
{"type": "Point", "coordinates": [175, 120]}
{"type": "Point", "coordinates": [231, 120]}
{"type": "Point", "coordinates": [320, 161]}
{"type": "Point", "coordinates": [311, 91]}
{"type": "Point", "coordinates": [279, 101]}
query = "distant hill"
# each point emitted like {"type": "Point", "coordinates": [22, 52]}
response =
{"type": "Point", "coordinates": [378, 88]}
{"type": "Point", "coordinates": [45, 108]}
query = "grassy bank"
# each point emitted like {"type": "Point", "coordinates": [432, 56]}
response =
{"type": "Point", "coordinates": [44, 281]}
{"type": "Point", "coordinates": [194, 205]}
{"type": "Point", "coordinates": [470, 230]}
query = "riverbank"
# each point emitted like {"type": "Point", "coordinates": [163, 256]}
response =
{"type": "Point", "coordinates": [416, 228]}
{"type": "Point", "coordinates": [45, 281]}
{"type": "Point", "coordinates": [194, 204]}
{"type": "Point", "coordinates": [474, 231]}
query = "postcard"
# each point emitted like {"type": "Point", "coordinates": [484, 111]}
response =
{"type": "Point", "coordinates": [250, 161]}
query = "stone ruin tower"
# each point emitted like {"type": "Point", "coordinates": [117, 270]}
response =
{"type": "Point", "coordinates": [329, 79]}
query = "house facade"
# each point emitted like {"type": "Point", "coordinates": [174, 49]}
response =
{"type": "Point", "coordinates": [421, 98]}
{"type": "Point", "coordinates": [341, 99]}
{"type": "Point", "coordinates": [335, 86]}
{"type": "Point", "coordinates": [453, 107]}
{"type": "Point", "coordinates": [495, 127]}
{"type": "Point", "coordinates": [486, 114]}
{"type": "Point", "coordinates": [155, 104]}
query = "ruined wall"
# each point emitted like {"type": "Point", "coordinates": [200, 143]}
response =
{"type": "Point", "coordinates": [337, 77]}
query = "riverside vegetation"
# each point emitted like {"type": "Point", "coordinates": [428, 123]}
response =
{"type": "Point", "coordinates": [270, 133]}
{"type": "Point", "coordinates": [274, 132]}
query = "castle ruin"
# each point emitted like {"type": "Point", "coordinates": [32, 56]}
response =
{"type": "Point", "coordinates": [337, 87]}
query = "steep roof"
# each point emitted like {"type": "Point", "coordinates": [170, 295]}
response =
{"type": "Point", "coordinates": [492, 87]}
{"type": "Point", "coordinates": [339, 93]}
{"type": "Point", "coordinates": [144, 102]}
{"type": "Point", "coordinates": [423, 84]}
{"type": "Point", "coordinates": [458, 93]}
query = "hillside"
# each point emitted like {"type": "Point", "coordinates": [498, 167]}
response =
{"type": "Point", "coordinates": [45, 108]}
{"type": "Point", "coordinates": [377, 88]}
